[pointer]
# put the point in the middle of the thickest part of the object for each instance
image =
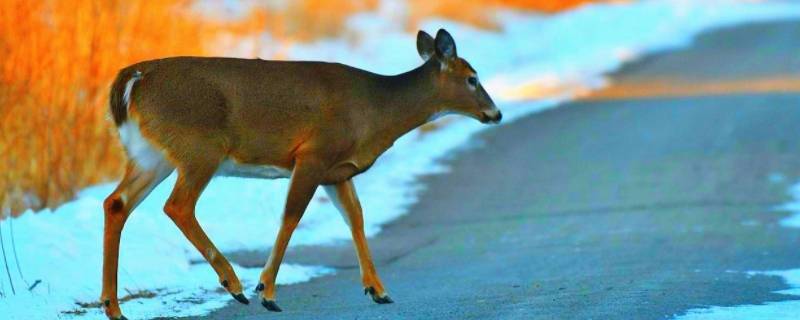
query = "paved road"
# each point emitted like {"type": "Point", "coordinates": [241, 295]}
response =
{"type": "Point", "coordinates": [640, 202]}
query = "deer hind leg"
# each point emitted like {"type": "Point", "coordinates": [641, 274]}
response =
{"type": "Point", "coordinates": [180, 207]}
{"type": "Point", "coordinates": [305, 180]}
{"type": "Point", "coordinates": [344, 197]}
{"type": "Point", "coordinates": [134, 187]}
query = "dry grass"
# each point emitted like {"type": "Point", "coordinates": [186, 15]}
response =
{"type": "Point", "coordinates": [131, 295]}
{"type": "Point", "coordinates": [58, 58]}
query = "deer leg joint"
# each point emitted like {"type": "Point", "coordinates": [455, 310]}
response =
{"type": "Point", "coordinates": [114, 205]}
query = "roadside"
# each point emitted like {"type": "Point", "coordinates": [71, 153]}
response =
{"type": "Point", "coordinates": [618, 205]}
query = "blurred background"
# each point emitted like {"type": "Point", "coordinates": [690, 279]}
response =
{"type": "Point", "coordinates": [60, 56]}
{"type": "Point", "coordinates": [646, 167]}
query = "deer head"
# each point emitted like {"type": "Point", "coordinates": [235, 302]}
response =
{"type": "Point", "coordinates": [456, 81]}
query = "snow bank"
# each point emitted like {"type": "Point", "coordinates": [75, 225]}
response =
{"type": "Point", "coordinates": [776, 310]}
{"type": "Point", "coordinates": [63, 249]}
{"type": "Point", "coordinates": [547, 58]}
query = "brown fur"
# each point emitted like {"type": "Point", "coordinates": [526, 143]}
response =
{"type": "Point", "coordinates": [267, 112]}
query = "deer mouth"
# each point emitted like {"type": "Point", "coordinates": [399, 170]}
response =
{"type": "Point", "coordinates": [493, 117]}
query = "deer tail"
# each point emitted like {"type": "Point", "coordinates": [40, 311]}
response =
{"type": "Point", "coordinates": [120, 96]}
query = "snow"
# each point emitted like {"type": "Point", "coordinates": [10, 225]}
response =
{"type": "Point", "coordinates": [64, 250]}
{"type": "Point", "coordinates": [535, 62]}
{"type": "Point", "coordinates": [793, 220]}
{"type": "Point", "coordinates": [779, 310]}
{"type": "Point", "coordinates": [773, 310]}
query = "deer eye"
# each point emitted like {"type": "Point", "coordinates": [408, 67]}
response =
{"type": "Point", "coordinates": [473, 81]}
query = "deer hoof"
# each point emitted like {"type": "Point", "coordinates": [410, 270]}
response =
{"type": "Point", "coordinates": [270, 305]}
{"type": "Point", "coordinates": [120, 318]}
{"type": "Point", "coordinates": [241, 298]}
{"type": "Point", "coordinates": [384, 299]}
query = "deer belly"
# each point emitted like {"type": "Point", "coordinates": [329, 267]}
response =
{"type": "Point", "coordinates": [230, 168]}
{"type": "Point", "coordinates": [341, 172]}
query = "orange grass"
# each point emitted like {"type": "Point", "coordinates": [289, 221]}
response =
{"type": "Point", "coordinates": [480, 12]}
{"type": "Point", "coordinates": [58, 57]}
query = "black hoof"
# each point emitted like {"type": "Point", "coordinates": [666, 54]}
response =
{"type": "Point", "coordinates": [270, 305]}
{"type": "Point", "coordinates": [260, 287]}
{"type": "Point", "coordinates": [382, 300]}
{"type": "Point", "coordinates": [241, 298]}
{"type": "Point", "coordinates": [378, 299]}
{"type": "Point", "coordinates": [120, 318]}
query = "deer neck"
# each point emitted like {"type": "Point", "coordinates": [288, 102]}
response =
{"type": "Point", "coordinates": [407, 101]}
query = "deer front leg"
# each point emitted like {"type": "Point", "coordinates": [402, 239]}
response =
{"type": "Point", "coordinates": [305, 180]}
{"type": "Point", "coordinates": [344, 197]}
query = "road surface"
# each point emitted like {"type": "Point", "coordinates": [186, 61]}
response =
{"type": "Point", "coordinates": [642, 201]}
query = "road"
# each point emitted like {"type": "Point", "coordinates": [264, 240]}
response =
{"type": "Point", "coordinates": [642, 201]}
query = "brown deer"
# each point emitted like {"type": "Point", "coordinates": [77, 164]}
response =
{"type": "Point", "coordinates": [317, 123]}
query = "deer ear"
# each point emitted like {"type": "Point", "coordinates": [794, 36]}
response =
{"type": "Point", "coordinates": [445, 46]}
{"type": "Point", "coordinates": [425, 45]}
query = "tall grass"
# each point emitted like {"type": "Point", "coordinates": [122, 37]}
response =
{"type": "Point", "coordinates": [58, 57]}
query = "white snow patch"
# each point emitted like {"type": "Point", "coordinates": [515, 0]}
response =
{"type": "Point", "coordinates": [773, 310]}
{"type": "Point", "coordinates": [793, 220]}
{"type": "Point", "coordinates": [570, 50]}
{"type": "Point", "coordinates": [778, 310]}
{"type": "Point", "coordinates": [63, 249]}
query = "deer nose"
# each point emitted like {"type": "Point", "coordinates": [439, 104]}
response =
{"type": "Point", "coordinates": [493, 116]}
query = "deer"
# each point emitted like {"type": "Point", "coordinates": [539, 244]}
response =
{"type": "Point", "coordinates": [317, 123]}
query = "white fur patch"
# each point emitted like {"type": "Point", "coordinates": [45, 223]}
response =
{"type": "Point", "coordinates": [477, 82]}
{"type": "Point", "coordinates": [138, 148]}
{"type": "Point", "coordinates": [126, 95]}
{"type": "Point", "coordinates": [230, 168]}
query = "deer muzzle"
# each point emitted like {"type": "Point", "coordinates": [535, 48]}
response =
{"type": "Point", "coordinates": [492, 116]}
